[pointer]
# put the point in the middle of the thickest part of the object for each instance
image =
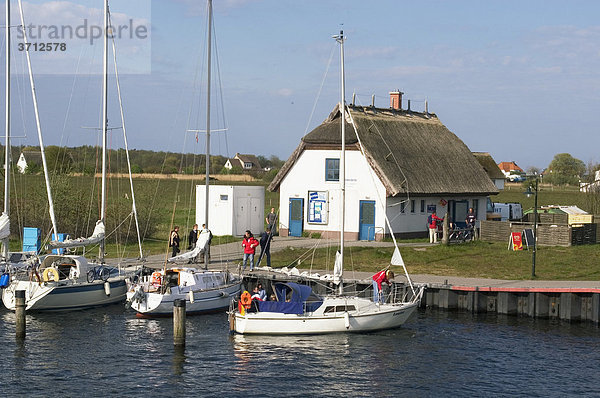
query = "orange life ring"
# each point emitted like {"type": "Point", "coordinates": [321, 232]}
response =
{"type": "Point", "coordinates": [246, 299]}
{"type": "Point", "coordinates": [156, 278]}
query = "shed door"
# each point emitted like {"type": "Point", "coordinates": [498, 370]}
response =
{"type": "Point", "coordinates": [242, 212]}
{"type": "Point", "coordinates": [296, 216]}
{"type": "Point", "coordinates": [366, 226]}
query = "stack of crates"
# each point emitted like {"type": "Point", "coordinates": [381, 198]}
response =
{"type": "Point", "coordinates": [32, 239]}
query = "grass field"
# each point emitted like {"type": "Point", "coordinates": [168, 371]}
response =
{"type": "Point", "coordinates": [476, 260]}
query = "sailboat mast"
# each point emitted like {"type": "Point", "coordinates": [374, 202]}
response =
{"type": "Point", "coordinates": [342, 107]}
{"type": "Point", "coordinates": [208, 79]}
{"type": "Point", "coordinates": [104, 123]}
{"type": "Point", "coordinates": [7, 128]}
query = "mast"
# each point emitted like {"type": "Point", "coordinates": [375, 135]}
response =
{"type": "Point", "coordinates": [7, 129]}
{"type": "Point", "coordinates": [342, 107]}
{"type": "Point", "coordinates": [104, 123]}
{"type": "Point", "coordinates": [208, 80]}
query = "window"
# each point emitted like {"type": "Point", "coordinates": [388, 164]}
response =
{"type": "Point", "coordinates": [339, 308]}
{"type": "Point", "coordinates": [224, 197]}
{"type": "Point", "coordinates": [475, 206]}
{"type": "Point", "coordinates": [332, 169]}
{"type": "Point", "coordinates": [247, 165]}
{"type": "Point", "coordinates": [412, 206]}
{"type": "Point", "coordinates": [422, 205]}
{"type": "Point", "coordinates": [402, 207]}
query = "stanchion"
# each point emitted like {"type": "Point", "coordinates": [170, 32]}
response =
{"type": "Point", "coordinates": [179, 322]}
{"type": "Point", "coordinates": [20, 313]}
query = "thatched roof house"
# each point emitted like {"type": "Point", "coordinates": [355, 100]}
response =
{"type": "Point", "coordinates": [412, 166]}
{"type": "Point", "coordinates": [244, 161]}
{"type": "Point", "coordinates": [491, 168]}
{"type": "Point", "coordinates": [401, 144]}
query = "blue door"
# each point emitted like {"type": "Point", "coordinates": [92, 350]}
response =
{"type": "Point", "coordinates": [296, 216]}
{"type": "Point", "coordinates": [366, 225]}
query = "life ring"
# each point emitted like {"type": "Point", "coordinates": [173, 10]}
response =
{"type": "Point", "coordinates": [156, 278]}
{"type": "Point", "coordinates": [246, 299]}
{"type": "Point", "coordinates": [46, 277]}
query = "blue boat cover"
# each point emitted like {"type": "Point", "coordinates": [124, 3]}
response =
{"type": "Point", "coordinates": [291, 298]}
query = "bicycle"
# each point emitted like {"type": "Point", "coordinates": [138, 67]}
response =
{"type": "Point", "coordinates": [101, 273]}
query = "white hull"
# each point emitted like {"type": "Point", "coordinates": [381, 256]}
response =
{"type": "Point", "coordinates": [65, 297]}
{"type": "Point", "coordinates": [206, 301]}
{"type": "Point", "coordinates": [367, 316]}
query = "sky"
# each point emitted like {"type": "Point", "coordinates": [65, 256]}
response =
{"type": "Point", "coordinates": [517, 79]}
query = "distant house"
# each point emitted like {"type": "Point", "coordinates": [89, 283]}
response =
{"type": "Point", "coordinates": [510, 169]}
{"type": "Point", "coordinates": [245, 162]}
{"type": "Point", "coordinates": [28, 158]}
{"type": "Point", "coordinates": [491, 168]}
{"type": "Point", "coordinates": [591, 187]}
{"type": "Point", "coordinates": [406, 165]}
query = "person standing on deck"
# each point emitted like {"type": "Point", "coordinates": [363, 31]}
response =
{"type": "Point", "coordinates": [174, 241]}
{"type": "Point", "coordinates": [378, 280]}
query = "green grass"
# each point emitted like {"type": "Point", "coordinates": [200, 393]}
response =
{"type": "Point", "coordinates": [476, 260]}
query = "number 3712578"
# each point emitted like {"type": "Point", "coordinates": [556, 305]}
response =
{"type": "Point", "coordinates": [42, 46]}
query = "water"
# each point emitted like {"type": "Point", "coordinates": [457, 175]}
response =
{"type": "Point", "coordinates": [109, 352]}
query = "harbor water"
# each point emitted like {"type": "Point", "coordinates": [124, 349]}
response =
{"type": "Point", "coordinates": [110, 352]}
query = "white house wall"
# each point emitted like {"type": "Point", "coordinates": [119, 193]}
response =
{"type": "Point", "coordinates": [308, 174]}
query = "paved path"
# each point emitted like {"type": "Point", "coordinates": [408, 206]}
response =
{"type": "Point", "coordinates": [230, 255]}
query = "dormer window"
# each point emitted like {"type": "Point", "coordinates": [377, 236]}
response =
{"type": "Point", "coordinates": [247, 165]}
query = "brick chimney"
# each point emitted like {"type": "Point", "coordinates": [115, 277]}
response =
{"type": "Point", "coordinates": [396, 99]}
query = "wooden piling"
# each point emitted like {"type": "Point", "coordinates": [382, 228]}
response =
{"type": "Point", "coordinates": [20, 313]}
{"type": "Point", "coordinates": [179, 322]}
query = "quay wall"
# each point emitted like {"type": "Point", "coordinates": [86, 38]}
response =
{"type": "Point", "coordinates": [568, 304]}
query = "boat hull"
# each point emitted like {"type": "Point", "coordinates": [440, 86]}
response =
{"type": "Point", "coordinates": [372, 317]}
{"type": "Point", "coordinates": [66, 297]}
{"type": "Point", "coordinates": [205, 301]}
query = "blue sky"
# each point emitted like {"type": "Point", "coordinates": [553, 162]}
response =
{"type": "Point", "coordinates": [518, 79]}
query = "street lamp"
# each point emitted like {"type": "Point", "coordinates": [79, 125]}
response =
{"type": "Point", "coordinates": [528, 192]}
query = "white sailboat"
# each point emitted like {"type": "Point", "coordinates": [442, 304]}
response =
{"type": "Point", "coordinates": [297, 310]}
{"type": "Point", "coordinates": [204, 291]}
{"type": "Point", "coordinates": [70, 282]}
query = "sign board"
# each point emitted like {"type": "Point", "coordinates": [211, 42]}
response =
{"type": "Point", "coordinates": [317, 207]}
{"type": "Point", "coordinates": [431, 208]}
{"type": "Point", "coordinates": [515, 241]}
{"type": "Point", "coordinates": [528, 237]}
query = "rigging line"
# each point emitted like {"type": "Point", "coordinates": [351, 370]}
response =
{"type": "Point", "coordinates": [220, 83]}
{"type": "Point", "coordinates": [371, 173]}
{"type": "Point", "coordinates": [134, 208]}
{"type": "Point", "coordinates": [333, 48]}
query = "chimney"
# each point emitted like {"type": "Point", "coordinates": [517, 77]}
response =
{"type": "Point", "coordinates": [396, 100]}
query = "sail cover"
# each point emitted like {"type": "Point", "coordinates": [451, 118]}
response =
{"type": "Point", "coordinates": [96, 237]}
{"type": "Point", "coordinates": [4, 226]}
{"type": "Point", "coordinates": [397, 258]}
{"type": "Point", "coordinates": [337, 268]}
{"type": "Point", "coordinates": [200, 246]}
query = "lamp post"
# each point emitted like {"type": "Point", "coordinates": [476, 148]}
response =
{"type": "Point", "coordinates": [535, 205]}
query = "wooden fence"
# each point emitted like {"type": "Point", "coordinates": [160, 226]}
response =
{"type": "Point", "coordinates": [548, 234]}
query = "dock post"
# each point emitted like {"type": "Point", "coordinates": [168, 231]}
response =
{"type": "Point", "coordinates": [179, 322]}
{"type": "Point", "coordinates": [20, 313]}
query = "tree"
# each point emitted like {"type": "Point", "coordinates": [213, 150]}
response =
{"type": "Point", "coordinates": [565, 169]}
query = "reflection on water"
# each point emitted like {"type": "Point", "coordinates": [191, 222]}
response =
{"type": "Point", "coordinates": [109, 351]}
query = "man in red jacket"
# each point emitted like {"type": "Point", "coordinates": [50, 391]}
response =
{"type": "Point", "coordinates": [432, 221]}
{"type": "Point", "coordinates": [249, 244]}
{"type": "Point", "coordinates": [378, 280]}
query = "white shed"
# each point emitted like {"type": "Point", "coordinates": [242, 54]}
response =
{"type": "Point", "coordinates": [232, 209]}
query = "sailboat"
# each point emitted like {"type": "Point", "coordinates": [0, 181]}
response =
{"type": "Point", "coordinates": [205, 291]}
{"type": "Point", "coordinates": [71, 282]}
{"type": "Point", "coordinates": [298, 310]}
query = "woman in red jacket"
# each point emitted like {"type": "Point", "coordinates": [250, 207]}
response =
{"type": "Point", "coordinates": [378, 280]}
{"type": "Point", "coordinates": [249, 244]}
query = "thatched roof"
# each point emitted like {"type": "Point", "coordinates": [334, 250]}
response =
{"type": "Point", "coordinates": [489, 165]}
{"type": "Point", "coordinates": [401, 143]}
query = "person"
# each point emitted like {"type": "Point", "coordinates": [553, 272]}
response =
{"type": "Point", "coordinates": [193, 237]}
{"type": "Point", "coordinates": [249, 244]}
{"type": "Point", "coordinates": [378, 280]}
{"type": "Point", "coordinates": [271, 220]}
{"type": "Point", "coordinates": [206, 253]}
{"type": "Point", "coordinates": [261, 292]}
{"type": "Point", "coordinates": [265, 247]}
{"type": "Point", "coordinates": [432, 221]}
{"type": "Point", "coordinates": [174, 241]}
{"type": "Point", "coordinates": [471, 220]}
{"type": "Point", "coordinates": [256, 294]}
